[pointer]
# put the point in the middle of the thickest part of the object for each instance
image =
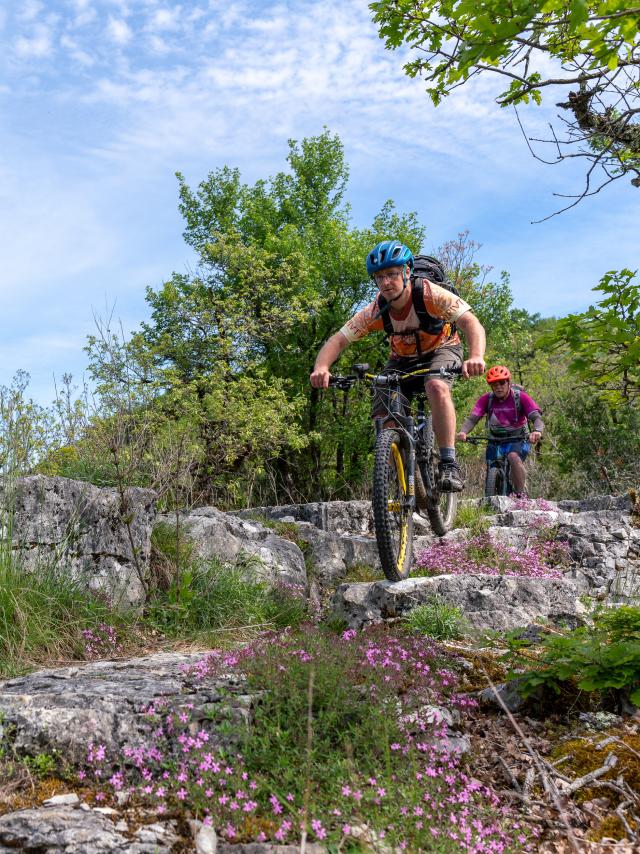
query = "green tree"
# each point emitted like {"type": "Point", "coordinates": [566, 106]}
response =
{"type": "Point", "coordinates": [588, 49]}
{"type": "Point", "coordinates": [604, 341]}
{"type": "Point", "coordinates": [281, 268]}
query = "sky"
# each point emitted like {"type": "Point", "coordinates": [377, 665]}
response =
{"type": "Point", "coordinates": [102, 101]}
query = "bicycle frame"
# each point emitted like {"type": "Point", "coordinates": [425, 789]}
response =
{"type": "Point", "coordinates": [404, 443]}
{"type": "Point", "coordinates": [412, 429]}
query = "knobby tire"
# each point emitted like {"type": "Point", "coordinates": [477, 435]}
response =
{"type": "Point", "coordinates": [495, 482]}
{"type": "Point", "coordinates": [392, 517]}
{"type": "Point", "coordinates": [440, 507]}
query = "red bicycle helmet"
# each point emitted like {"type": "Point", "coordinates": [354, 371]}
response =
{"type": "Point", "coordinates": [498, 372]}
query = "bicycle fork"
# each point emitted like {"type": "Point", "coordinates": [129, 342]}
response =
{"type": "Point", "coordinates": [408, 464]}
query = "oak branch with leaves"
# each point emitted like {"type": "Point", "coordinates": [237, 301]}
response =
{"type": "Point", "coordinates": [590, 51]}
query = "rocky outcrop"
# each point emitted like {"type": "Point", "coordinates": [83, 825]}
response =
{"type": "Point", "coordinates": [337, 535]}
{"type": "Point", "coordinates": [487, 601]}
{"type": "Point", "coordinates": [104, 541]}
{"type": "Point", "coordinates": [338, 517]}
{"type": "Point", "coordinates": [78, 828]}
{"type": "Point", "coordinates": [105, 702]}
{"type": "Point", "coordinates": [214, 534]}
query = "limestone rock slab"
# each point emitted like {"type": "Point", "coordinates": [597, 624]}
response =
{"type": "Point", "coordinates": [215, 534]}
{"type": "Point", "coordinates": [56, 520]}
{"type": "Point", "coordinates": [64, 709]}
{"type": "Point", "coordinates": [65, 829]}
{"type": "Point", "coordinates": [487, 601]}
{"type": "Point", "coordinates": [338, 517]}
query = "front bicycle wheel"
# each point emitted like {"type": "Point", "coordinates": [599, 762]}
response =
{"type": "Point", "coordinates": [392, 513]}
{"type": "Point", "coordinates": [494, 484]}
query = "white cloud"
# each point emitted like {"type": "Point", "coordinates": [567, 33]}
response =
{"type": "Point", "coordinates": [29, 10]}
{"type": "Point", "coordinates": [36, 46]}
{"type": "Point", "coordinates": [166, 19]}
{"type": "Point", "coordinates": [75, 52]}
{"type": "Point", "coordinates": [119, 31]}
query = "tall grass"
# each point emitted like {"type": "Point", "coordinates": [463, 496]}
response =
{"type": "Point", "coordinates": [46, 615]}
{"type": "Point", "coordinates": [209, 597]}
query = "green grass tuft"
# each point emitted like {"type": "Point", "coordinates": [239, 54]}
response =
{"type": "Point", "coordinates": [436, 619]}
{"type": "Point", "coordinates": [476, 518]}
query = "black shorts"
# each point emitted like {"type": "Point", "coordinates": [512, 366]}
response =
{"type": "Point", "coordinates": [449, 356]}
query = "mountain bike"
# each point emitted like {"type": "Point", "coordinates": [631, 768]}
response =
{"type": "Point", "coordinates": [405, 470]}
{"type": "Point", "coordinates": [498, 477]}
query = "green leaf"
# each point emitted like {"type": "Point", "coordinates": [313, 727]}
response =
{"type": "Point", "coordinates": [579, 12]}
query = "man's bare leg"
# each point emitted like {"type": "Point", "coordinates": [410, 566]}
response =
{"type": "Point", "coordinates": [443, 413]}
{"type": "Point", "coordinates": [518, 473]}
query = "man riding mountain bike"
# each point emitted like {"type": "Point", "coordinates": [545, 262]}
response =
{"type": "Point", "coordinates": [508, 410]}
{"type": "Point", "coordinates": [421, 318]}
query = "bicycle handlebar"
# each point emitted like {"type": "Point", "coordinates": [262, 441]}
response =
{"type": "Point", "coordinates": [346, 382]}
{"type": "Point", "coordinates": [476, 440]}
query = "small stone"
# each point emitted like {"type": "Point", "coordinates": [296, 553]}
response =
{"type": "Point", "coordinates": [69, 800]}
{"type": "Point", "coordinates": [206, 840]}
{"type": "Point", "coordinates": [105, 810]}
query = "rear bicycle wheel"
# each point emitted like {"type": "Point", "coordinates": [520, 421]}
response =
{"type": "Point", "coordinates": [441, 507]}
{"type": "Point", "coordinates": [494, 484]}
{"type": "Point", "coordinates": [392, 514]}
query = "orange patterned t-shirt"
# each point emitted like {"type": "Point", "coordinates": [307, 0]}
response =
{"type": "Point", "coordinates": [439, 303]}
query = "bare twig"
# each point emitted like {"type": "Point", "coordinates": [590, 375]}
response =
{"type": "Point", "coordinates": [620, 813]}
{"type": "Point", "coordinates": [610, 762]}
{"type": "Point", "coordinates": [510, 775]}
{"type": "Point", "coordinates": [613, 739]}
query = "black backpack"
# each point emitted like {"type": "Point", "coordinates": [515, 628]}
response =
{"type": "Point", "coordinates": [424, 267]}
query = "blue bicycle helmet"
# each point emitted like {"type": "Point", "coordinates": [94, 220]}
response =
{"type": "Point", "coordinates": [388, 253]}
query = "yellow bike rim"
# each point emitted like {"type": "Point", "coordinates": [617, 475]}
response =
{"type": "Point", "coordinates": [396, 506]}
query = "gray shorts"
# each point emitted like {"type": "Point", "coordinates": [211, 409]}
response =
{"type": "Point", "coordinates": [449, 356]}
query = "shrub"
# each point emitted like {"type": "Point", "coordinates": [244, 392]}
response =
{"type": "Point", "coordinates": [602, 659]}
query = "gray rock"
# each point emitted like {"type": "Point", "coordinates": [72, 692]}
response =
{"type": "Point", "coordinates": [487, 601]}
{"type": "Point", "coordinates": [338, 517]}
{"type": "Point", "coordinates": [104, 702]}
{"type": "Point", "coordinates": [505, 695]}
{"type": "Point", "coordinates": [598, 502]}
{"type": "Point", "coordinates": [268, 848]}
{"type": "Point", "coordinates": [206, 839]}
{"type": "Point", "coordinates": [86, 529]}
{"type": "Point", "coordinates": [227, 537]}
{"type": "Point", "coordinates": [63, 830]}
{"type": "Point", "coordinates": [332, 555]}
{"type": "Point", "coordinates": [68, 800]}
